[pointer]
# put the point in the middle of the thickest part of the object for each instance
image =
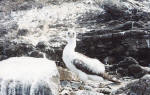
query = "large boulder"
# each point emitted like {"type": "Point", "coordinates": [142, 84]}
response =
{"type": "Point", "coordinates": [129, 67]}
{"type": "Point", "coordinates": [29, 76]}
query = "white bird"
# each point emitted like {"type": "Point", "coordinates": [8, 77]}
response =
{"type": "Point", "coordinates": [86, 68]}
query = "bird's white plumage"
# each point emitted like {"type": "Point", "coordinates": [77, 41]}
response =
{"type": "Point", "coordinates": [69, 55]}
{"type": "Point", "coordinates": [93, 64]}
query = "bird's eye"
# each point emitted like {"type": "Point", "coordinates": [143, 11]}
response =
{"type": "Point", "coordinates": [73, 33]}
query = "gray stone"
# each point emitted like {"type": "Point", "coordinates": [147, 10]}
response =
{"type": "Point", "coordinates": [22, 32]}
{"type": "Point", "coordinates": [89, 88]}
{"type": "Point", "coordinates": [85, 92]}
{"type": "Point", "coordinates": [75, 85]}
{"type": "Point", "coordinates": [65, 84]}
{"type": "Point", "coordinates": [139, 87]}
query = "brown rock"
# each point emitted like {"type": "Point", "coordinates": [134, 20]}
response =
{"type": "Point", "coordinates": [65, 74]}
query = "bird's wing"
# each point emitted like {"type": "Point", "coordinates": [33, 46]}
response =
{"type": "Point", "coordinates": [82, 66]}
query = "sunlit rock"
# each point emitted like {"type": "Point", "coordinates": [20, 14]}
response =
{"type": "Point", "coordinates": [28, 76]}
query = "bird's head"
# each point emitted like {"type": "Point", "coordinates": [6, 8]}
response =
{"type": "Point", "coordinates": [71, 35]}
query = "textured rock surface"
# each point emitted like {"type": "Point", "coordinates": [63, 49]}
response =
{"type": "Point", "coordinates": [33, 75]}
{"type": "Point", "coordinates": [139, 87]}
{"type": "Point", "coordinates": [114, 31]}
{"type": "Point", "coordinates": [67, 75]}
{"type": "Point", "coordinates": [100, 88]}
{"type": "Point", "coordinates": [84, 92]}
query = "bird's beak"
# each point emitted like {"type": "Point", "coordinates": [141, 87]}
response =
{"type": "Point", "coordinates": [71, 36]}
{"type": "Point", "coordinates": [65, 36]}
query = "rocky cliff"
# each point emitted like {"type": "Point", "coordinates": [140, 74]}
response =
{"type": "Point", "coordinates": [114, 31]}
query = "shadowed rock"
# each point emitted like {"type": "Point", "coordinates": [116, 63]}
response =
{"type": "Point", "coordinates": [139, 87]}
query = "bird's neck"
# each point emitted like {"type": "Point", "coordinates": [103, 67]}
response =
{"type": "Point", "coordinates": [69, 53]}
{"type": "Point", "coordinates": [70, 47]}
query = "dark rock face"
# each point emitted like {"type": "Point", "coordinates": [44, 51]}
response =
{"type": "Point", "coordinates": [113, 12]}
{"type": "Point", "coordinates": [22, 32]}
{"type": "Point", "coordinates": [136, 71]}
{"type": "Point", "coordinates": [53, 53]}
{"type": "Point", "coordinates": [115, 46]}
{"type": "Point", "coordinates": [127, 62]}
{"type": "Point", "coordinates": [3, 32]}
{"type": "Point", "coordinates": [133, 70]}
{"type": "Point", "coordinates": [20, 49]}
{"type": "Point", "coordinates": [129, 67]}
{"type": "Point", "coordinates": [41, 45]}
{"type": "Point", "coordinates": [6, 27]}
{"type": "Point", "coordinates": [12, 49]}
{"type": "Point", "coordinates": [119, 37]}
{"type": "Point", "coordinates": [140, 87]}
{"type": "Point", "coordinates": [14, 5]}
{"type": "Point", "coordinates": [2, 57]}
{"type": "Point", "coordinates": [143, 56]}
{"type": "Point", "coordinates": [11, 5]}
{"type": "Point", "coordinates": [110, 42]}
{"type": "Point", "coordinates": [36, 54]}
